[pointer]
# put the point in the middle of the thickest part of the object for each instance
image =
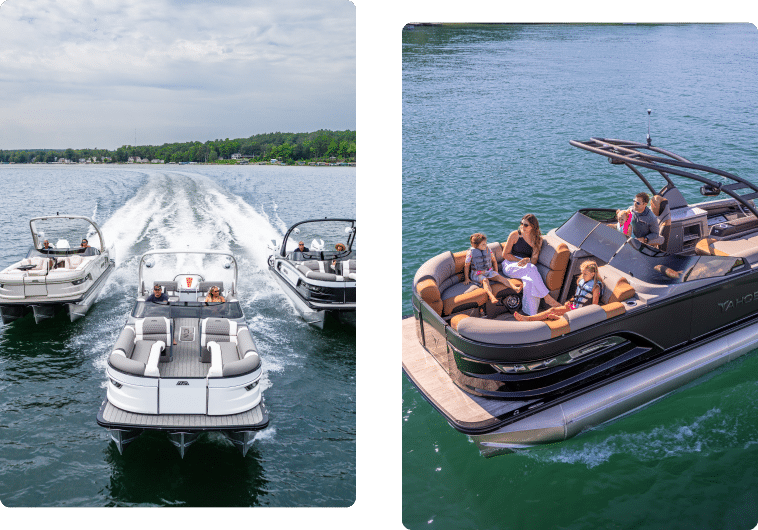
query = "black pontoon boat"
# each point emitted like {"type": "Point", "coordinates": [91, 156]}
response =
{"type": "Point", "coordinates": [185, 366]}
{"type": "Point", "coordinates": [667, 314]}
{"type": "Point", "coordinates": [320, 278]}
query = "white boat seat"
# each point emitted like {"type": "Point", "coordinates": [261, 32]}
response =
{"type": "Point", "coordinates": [229, 349]}
{"type": "Point", "coordinates": [138, 357]}
{"type": "Point", "coordinates": [168, 286]}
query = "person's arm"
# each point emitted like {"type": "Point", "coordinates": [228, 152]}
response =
{"type": "Point", "coordinates": [654, 237]}
{"type": "Point", "coordinates": [466, 268]}
{"type": "Point", "coordinates": [536, 252]}
{"type": "Point", "coordinates": [596, 294]}
{"type": "Point", "coordinates": [512, 238]}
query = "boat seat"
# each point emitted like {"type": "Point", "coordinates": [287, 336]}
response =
{"type": "Point", "coordinates": [739, 248]}
{"type": "Point", "coordinates": [320, 270]}
{"type": "Point", "coordinates": [348, 268]}
{"type": "Point", "coordinates": [439, 281]}
{"type": "Point", "coordinates": [204, 287]}
{"type": "Point", "coordinates": [660, 208]}
{"type": "Point", "coordinates": [509, 332]}
{"type": "Point", "coordinates": [230, 349]}
{"type": "Point", "coordinates": [135, 354]}
{"type": "Point", "coordinates": [37, 262]}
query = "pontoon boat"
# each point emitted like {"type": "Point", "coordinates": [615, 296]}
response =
{"type": "Point", "coordinates": [61, 274]}
{"type": "Point", "coordinates": [667, 315]}
{"type": "Point", "coordinates": [185, 366]}
{"type": "Point", "coordinates": [320, 278]}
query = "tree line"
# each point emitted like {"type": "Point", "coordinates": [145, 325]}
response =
{"type": "Point", "coordinates": [286, 147]}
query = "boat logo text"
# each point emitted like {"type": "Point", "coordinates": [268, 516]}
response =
{"type": "Point", "coordinates": [744, 300]}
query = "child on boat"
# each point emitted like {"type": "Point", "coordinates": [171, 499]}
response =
{"type": "Point", "coordinates": [481, 263]}
{"type": "Point", "coordinates": [588, 290]}
{"type": "Point", "coordinates": [624, 218]}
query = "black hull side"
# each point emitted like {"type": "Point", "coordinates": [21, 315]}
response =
{"type": "Point", "coordinates": [620, 343]}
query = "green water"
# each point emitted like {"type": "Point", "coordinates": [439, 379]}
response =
{"type": "Point", "coordinates": [488, 112]}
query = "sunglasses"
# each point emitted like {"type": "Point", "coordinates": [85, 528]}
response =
{"type": "Point", "coordinates": [525, 224]}
{"type": "Point", "coordinates": [638, 203]}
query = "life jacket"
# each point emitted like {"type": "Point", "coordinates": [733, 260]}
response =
{"type": "Point", "coordinates": [481, 260]}
{"type": "Point", "coordinates": [583, 295]}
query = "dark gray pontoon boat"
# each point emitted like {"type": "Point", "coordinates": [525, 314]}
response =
{"type": "Point", "coordinates": [667, 315]}
{"type": "Point", "coordinates": [60, 276]}
{"type": "Point", "coordinates": [185, 366]}
{"type": "Point", "coordinates": [320, 280]}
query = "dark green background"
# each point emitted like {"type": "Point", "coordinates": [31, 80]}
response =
{"type": "Point", "coordinates": [379, 23]}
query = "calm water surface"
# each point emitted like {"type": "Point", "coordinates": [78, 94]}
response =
{"type": "Point", "coordinates": [488, 112]}
{"type": "Point", "coordinates": [52, 375]}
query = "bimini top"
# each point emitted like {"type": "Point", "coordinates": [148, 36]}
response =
{"type": "Point", "coordinates": [666, 163]}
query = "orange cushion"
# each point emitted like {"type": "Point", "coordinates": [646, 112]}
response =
{"type": "Point", "coordinates": [430, 293]}
{"type": "Point", "coordinates": [614, 309]}
{"type": "Point", "coordinates": [622, 291]}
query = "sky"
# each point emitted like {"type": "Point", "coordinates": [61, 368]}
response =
{"type": "Point", "coordinates": [97, 74]}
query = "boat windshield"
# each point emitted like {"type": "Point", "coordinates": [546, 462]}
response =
{"type": "Point", "coordinates": [657, 267]}
{"type": "Point", "coordinates": [231, 310]}
{"type": "Point", "coordinates": [46, 253]}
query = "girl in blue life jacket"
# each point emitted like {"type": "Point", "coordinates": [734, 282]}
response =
{"type": "Point", "coordinates": [481, 266]}
{"type": "Point", "coordinates": [588, 291]}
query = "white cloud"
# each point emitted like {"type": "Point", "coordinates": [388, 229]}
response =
{"type": "Point", "coordinates": [86, 73]}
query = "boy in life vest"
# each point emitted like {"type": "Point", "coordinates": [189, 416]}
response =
{"type": "Point", "coordinates": [588, 291]}
{"type": "Point", "coordinates": [481, 266]}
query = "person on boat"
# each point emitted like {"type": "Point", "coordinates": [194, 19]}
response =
{"type": "Point", "coordinates": [644, 223]}
{"type": "Point", "coordinates": [520, 255]}
{"type": "Point", "coordinates": [302, 248]}
{"type": "Point", "coordinates": [588, 291]}
{"type": "Point", "coordinates": [624, 222]}
{"type": "Point", "coordinates": [214, 295]}
{"type": "Point", "coordinates": [481, 263]}
{"type": "Point", "coordinates": [47, 246]}
{"type": "Point", "coordinates": [339, 247]}
{"type": "Point", "coordinates": [158, 295]}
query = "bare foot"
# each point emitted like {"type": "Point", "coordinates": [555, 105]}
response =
{"type": "Point", "coordinates": [493, 300]}
{"type": "Point", "coordinates": [519, 317]}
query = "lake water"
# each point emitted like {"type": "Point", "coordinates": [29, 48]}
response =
{"type": "Point", "coordinates": [52, 375]}
{"type": "Point", "coordinates": [488, 112]}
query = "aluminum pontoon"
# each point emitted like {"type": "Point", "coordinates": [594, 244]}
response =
{"type": "Point", "coordinates": [667, 315]}
{"type": "Point", "coordinates": [62, 275]}
{"type": "Point", "coordinates": [185, 366]}
{"type": "Point", "coordinates": [320, 280]}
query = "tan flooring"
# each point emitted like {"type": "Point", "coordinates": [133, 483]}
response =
{"type": "Point", "coordinates": [437, 386]}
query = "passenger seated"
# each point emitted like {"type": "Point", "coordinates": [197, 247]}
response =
{"type": "Point", "coordinates": [301, 247]}
{"type": "Point", "coordinates": [484, 264]}
{"type": "Point", "coordinates": [339, 247]}
{"type": "Point", "coordinates": [624, 218]}
{"type": "Point", "coordinates": [214, 295]}
{"type": "Point", "coordinates": [47, 246]}
{"type": "Point", "coordinates": [645, 225]}
{"type": "Point", "coordinates": [157, 296]}
{"type": "Point", "coordinates": [588, 291]}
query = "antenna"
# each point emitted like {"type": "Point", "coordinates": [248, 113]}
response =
{"type": "Point", "coordinates": [648, 127]}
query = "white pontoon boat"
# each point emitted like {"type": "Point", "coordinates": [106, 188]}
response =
{"type": "Point", "coordinates": [61, 274]}
{"type": "Point", "coordinates": [185, 366]}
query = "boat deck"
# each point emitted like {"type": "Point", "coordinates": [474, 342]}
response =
{"type": "Point", "coordinates": [186, 351]}
{"type": "Point", "coordinates": [115, 417]}
{"type": "Point", "coordinates": [436, 385]}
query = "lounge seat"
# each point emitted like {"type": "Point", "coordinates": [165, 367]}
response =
{"type": "Point", "coordinates": [321, 270]}
{"type": "Point", "coordinates": [138, 350]}
{"type": "Point", "coordinates": [439, 281]}
{"type": "Point", "coordinates": [230, 349]}
{"type": "Point", "coordinates": [739, 248]}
